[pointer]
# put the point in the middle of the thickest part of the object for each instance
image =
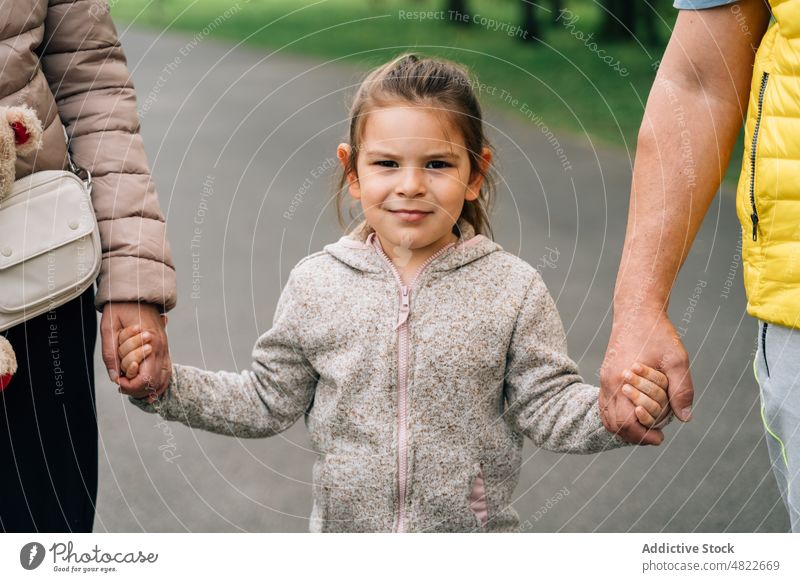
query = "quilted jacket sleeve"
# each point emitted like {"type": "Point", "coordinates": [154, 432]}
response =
{"type": "Point", "coordinates": [86, 69]}
{"type": "Point", "coordinates": [262, 401]}
{"type": "Point", "coordinates": [546, 396]}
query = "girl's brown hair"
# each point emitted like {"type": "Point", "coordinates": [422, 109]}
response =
{"type": "Point", "coordinates": [441, 85]}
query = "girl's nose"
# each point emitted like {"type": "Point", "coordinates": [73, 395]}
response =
{"type": "Point", "coordinates": [412, 182]}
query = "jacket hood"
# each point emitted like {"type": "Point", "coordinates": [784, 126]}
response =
{"type": "Point", "coordinates": [356, 250]}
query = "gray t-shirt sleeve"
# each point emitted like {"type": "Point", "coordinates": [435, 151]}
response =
{"type": "Point", "coordinates": [700, 4]}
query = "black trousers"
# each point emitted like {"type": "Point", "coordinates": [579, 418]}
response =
{"type": "Point", "coordinates": [48, 423]}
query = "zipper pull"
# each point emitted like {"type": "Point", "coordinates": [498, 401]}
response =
{"type": "Point", "coordinates": [754, 218]}
{"type": "Point", "coordinates": [405, 308]}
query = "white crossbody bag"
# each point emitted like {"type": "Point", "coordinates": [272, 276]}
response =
{"type": "Point", "coordinates": [49, 243]}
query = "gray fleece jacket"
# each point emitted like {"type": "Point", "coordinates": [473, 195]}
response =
{"type": "Point", "coordinates": [416, 397]}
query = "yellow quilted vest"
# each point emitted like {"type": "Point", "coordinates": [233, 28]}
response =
{"type": "Point", "coordinates": [768, 196]}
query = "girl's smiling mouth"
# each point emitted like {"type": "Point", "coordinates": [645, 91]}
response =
{"type": "Point", "coordinates": [408, 215]}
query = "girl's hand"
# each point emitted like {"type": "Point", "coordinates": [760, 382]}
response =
{"type": "Point", "coordinates": [646, 388]}
{"type": "Point", "coordinates": [134, 347]}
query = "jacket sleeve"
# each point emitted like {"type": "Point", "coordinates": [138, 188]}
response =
{"type": "Point", "coordinates": [546, 397]}
{"type": "Point", "coordinates": [88, 76]}
{"type": "Point", "coordinates": [260, 402]}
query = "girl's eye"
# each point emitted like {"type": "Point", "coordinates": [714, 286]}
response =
{"type": "Point", "coordinates": [435, 164]}
{"type": "Point", "coordinates": [439, 165]}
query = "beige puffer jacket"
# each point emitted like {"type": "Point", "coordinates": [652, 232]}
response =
{"type": "Point", "coordinates": [63, 59]}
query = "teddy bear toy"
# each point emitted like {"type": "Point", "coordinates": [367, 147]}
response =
{"type": "Point", "coordinates": [20, 134]}
{"type": "Point", "coordinates": [8, 363]}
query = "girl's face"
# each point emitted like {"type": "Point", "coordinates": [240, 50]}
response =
{"type": "Point", "coordinates": [413, 177]}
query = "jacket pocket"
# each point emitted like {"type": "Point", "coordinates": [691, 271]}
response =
{"type": "Point", "coordinates": [447, 492]}
{"type": "Point", "coordinates": [753, 153]}
{"type": "Point", "coordinates": [477, 497]}
{"type": "Point", "coordinates": [353, 493]}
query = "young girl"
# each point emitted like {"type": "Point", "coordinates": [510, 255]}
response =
{"type": "Point", "coordinates": [419, 351]}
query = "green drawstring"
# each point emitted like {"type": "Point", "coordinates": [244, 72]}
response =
{"type": "Point", "coordinates": [769, 430]}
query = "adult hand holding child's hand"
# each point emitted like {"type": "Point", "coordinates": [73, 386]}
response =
{"type": "Point", "coordinates": [646, 336]}
{"type": "Point", "coordinates": [155, 371]}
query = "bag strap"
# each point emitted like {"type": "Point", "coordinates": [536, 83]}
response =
{"type": "Point", "coordinates": [87, 180]}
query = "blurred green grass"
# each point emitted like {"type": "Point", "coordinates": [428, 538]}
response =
{"type": "Point", "coordinates": [568, 85]}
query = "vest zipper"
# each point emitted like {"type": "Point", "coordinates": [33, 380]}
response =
{"type": "Point", "coordinates": [402, 378]}
{"type": "Point", "coordinates": [754, 215]}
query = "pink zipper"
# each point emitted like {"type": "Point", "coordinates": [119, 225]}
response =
{"type": "Point", "coordinates": [402, 376]}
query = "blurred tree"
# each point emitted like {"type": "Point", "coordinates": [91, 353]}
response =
{"type": "Point", "coordinates": [530, 24]}
{"type": "Point", "coordinates": [457, 12]}
{"type": "Point", "coordinates": [556, 7]}
{"type": "Point", "coordinates": [625, 20]}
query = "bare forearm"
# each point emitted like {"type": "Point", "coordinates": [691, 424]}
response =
{"type": "Point", "coordinates": [679, 166]}
{"type": "Point", "coordinates": [691, 121]}
{"type": "Point", "coordinates": [693, 114]}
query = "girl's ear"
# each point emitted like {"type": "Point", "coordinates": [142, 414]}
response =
{"type": "Point", "coordinates": [476, 179]}
{"type": "Point", "coordinates": [343, 152]}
